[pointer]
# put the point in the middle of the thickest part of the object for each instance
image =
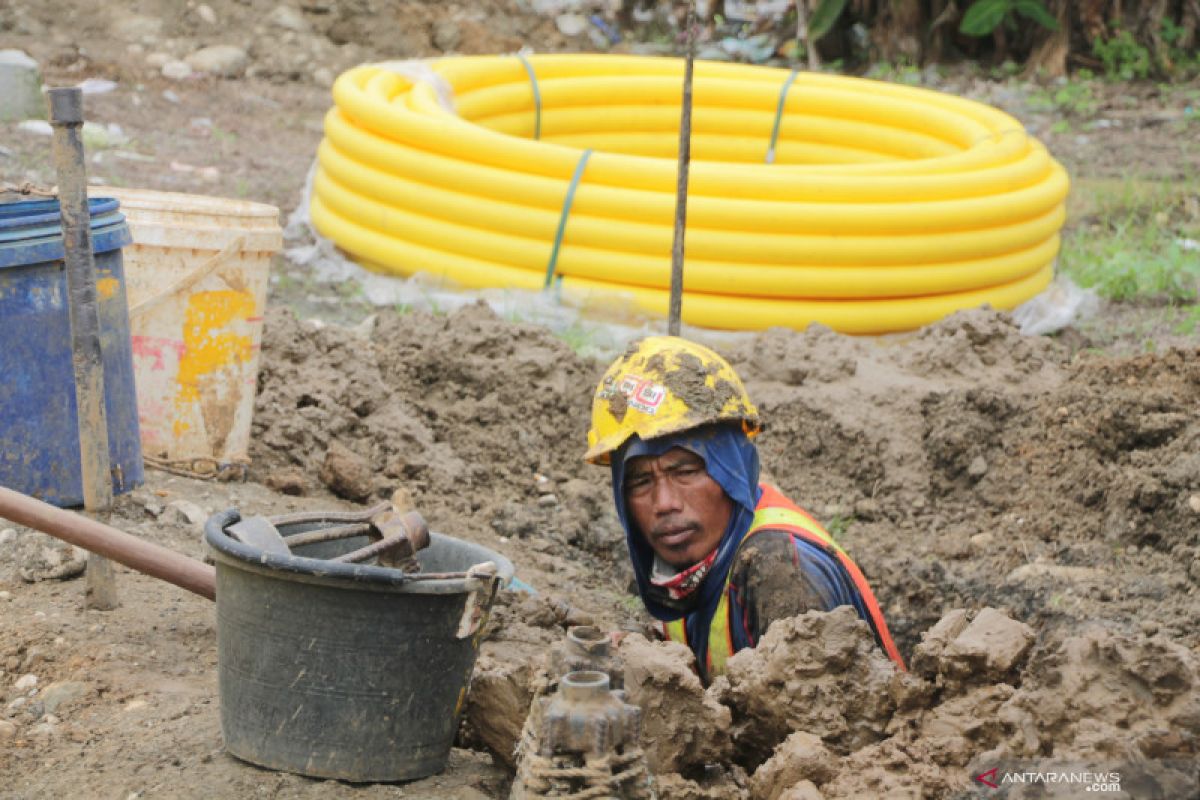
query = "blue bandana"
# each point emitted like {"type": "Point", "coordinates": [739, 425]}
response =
{"type": "Point", "coordinates": [732, 461]}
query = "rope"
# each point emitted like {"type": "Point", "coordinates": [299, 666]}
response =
{"type": "Point", "coordinates": [537, 96]}
{"type": "Point", "coordinates": [779, 114]}
{"type": "Point", "coordinates": [202, 468]}
{"type": "Point", "coordinates": [580, 166]}
{"type": "Point", "coordinates": [28, 187]}
{"type": "Point", "coordinates": [596, 773]}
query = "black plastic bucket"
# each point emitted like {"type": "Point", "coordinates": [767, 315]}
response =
{"type": "Point", "coordinates": [348, 671]}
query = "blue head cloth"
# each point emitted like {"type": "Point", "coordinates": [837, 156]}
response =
{"type": "Point", "coordinates": [731, 460]}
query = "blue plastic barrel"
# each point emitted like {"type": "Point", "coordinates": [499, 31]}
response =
{"type": "Point", "coordinates": [39, 424]}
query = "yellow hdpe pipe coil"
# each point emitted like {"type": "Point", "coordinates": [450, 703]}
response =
{"type": "Point", "coordinates": [884, 208]}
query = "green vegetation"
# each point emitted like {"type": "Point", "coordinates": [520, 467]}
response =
{"type": "Point", "coordinates": [823, 18]}
{"type": "Point", "coordinates": [1077, 97]}
{"type": "Point", "coordinates": [578, 337]}
{"type": "Point", "coordinates": [1136, 240]}
{"type": "Point", "coordinates": [1179, 60]}
{"type": "Point", "coordinates": [908, 74]}
{"type": "Point", "coordinates": [1123, 58]}
{"type": "Point", "coordinates": [1185, 320]}
{"type": "Point", "coordinates": [838, 525]}
{"type": "Point", "coordinates": [984, 16]}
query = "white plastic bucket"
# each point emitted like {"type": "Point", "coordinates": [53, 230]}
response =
{"type": "Point", "coordinates": [196, 278]}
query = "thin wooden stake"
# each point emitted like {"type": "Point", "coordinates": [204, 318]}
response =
{"type": "Point", "coordinates": [685, 158]}
{"type": "Point", "coordinates": [66, 117]}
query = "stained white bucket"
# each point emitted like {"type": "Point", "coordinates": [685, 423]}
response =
{"type": "Point", "coordinates": [196, 278]}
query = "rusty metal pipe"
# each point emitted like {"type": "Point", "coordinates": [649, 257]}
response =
{"type": "Point", "coordinates": [96, 537]}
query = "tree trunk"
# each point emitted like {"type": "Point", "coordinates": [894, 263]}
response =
{"type": "Point", "coordinates": [1149, 31]}
{"type": "Point", "coordinates": [1091, 20]}
{"type": "Point", "coordinates": [896, 31]}
{"type": "Point", "coordinates": [1049, 56]}
{"type": "Point", "coordinates": [946, 17]}
{"type": "Point", "coordinates": [1189, 21]}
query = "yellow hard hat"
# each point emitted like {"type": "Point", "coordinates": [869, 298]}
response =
{"type": "Point", "coordinates": [663, 385]}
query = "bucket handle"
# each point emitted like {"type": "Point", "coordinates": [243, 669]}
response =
{"type": "Point", "coordinates": [188, 281]}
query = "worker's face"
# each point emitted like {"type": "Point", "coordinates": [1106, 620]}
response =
{"type": "Point", "coordinates": [680, 510]}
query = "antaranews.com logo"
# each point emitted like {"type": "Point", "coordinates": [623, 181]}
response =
{"type": "Point", "coordinates": [1145, 779]}
{"type": "Point", "coordinates": [1085, 781]}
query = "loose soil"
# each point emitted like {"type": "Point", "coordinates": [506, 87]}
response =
{"type": "Point", "coordinates": [1027, 509]}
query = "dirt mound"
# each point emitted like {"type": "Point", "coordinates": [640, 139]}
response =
{"type": "Point", "coordinates": [976, 699]}
{"type": "Point", "coordinates": [816, 710]}
{"type": "Point", "coordinates": [1124, 698]}
{"type": "Point", "coordinates": [282, 40]}
{"type": "Point", "coordinates": [497, 411]}
{"type": "Point", "coordinates": [1051, 487]}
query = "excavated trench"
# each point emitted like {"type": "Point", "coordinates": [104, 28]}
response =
{"type": "Point", "coordinates": [1028, 520]}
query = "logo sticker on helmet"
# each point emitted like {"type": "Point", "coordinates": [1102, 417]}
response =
{"type": "Point", "coordinates": [648, 397]}
{"type": "Point", "coordinates": [629, 385]}
{"type": "Point", "coordinates": [643, 395]}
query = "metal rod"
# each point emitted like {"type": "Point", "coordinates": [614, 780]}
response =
{"type": "Point", "coordinates": [66, 117]}
{"type": "Point", "coordinates": [685, 157]}
{"type": "Point", "coordinates": [96, 537]}
{"type": "Point", "coordinates": [327, 534]}
{"type": "Point", "coordinates": [371, 550]}
{"type": "Point", "coordinates": [319, 517]}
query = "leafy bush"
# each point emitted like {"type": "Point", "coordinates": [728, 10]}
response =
{"type": "Point", "coordinates": [984, 16]}
{"type": "Point", "coordinates": [1123, 57]}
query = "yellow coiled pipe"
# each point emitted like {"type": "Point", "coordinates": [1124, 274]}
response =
{"type": "Point", "coordinates": [886, 208]}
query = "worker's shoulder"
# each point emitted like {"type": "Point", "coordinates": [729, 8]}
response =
{"type": "Point", "coordinates": [767, 543]}
{"type": "Point", "coordinates": [780, 575]}
{"type": "Point", "coordinates": [770, 544]}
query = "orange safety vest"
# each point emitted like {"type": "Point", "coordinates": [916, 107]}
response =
{"type": "Point", "coordinates": [775, 512]}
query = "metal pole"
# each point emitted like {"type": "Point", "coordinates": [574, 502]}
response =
{"type": "Point", "coordinates": [96, 537]}
{"type": "Point", "coordinates": [685, 157]}
{"type": "Point", "coordinates": [66, 116]}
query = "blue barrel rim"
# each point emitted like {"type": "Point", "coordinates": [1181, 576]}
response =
{"type": "Point", "coordinates": [49, 211]}
{"type": "Point", "coordinates": [29, 220]}
{"type": "Point", "coordinates": [46, 249]}
{"type": "Point", "coordinates": [53, 230]}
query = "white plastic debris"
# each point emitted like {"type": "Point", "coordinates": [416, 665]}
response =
{"type": "Point", "coordinates": [97, 86]}
{"type": "Point", "coordinates": [1061, 304]}
{"type": "Point", "coordinates": [38, 126]}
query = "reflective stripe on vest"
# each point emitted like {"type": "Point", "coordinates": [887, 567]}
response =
{"type": "Point", "coordinates": [776, 512]}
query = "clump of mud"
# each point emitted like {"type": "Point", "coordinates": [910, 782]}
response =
{"type": "Point", "coordinates": [683, 728]}
{"type": "Point", "coordinates": [821, 673]}
{"type": "Point", "coordinates": [506, 678]}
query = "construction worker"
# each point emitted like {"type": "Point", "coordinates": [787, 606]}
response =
{"type": "Point", "coordinates": [718, 556]}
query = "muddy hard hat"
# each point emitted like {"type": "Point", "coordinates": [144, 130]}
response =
{"type": "Point", "coordinates": [663, 385]}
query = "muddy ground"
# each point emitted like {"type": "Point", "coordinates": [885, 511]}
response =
{"type": "Point", "coordinates": [1051, 480]}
